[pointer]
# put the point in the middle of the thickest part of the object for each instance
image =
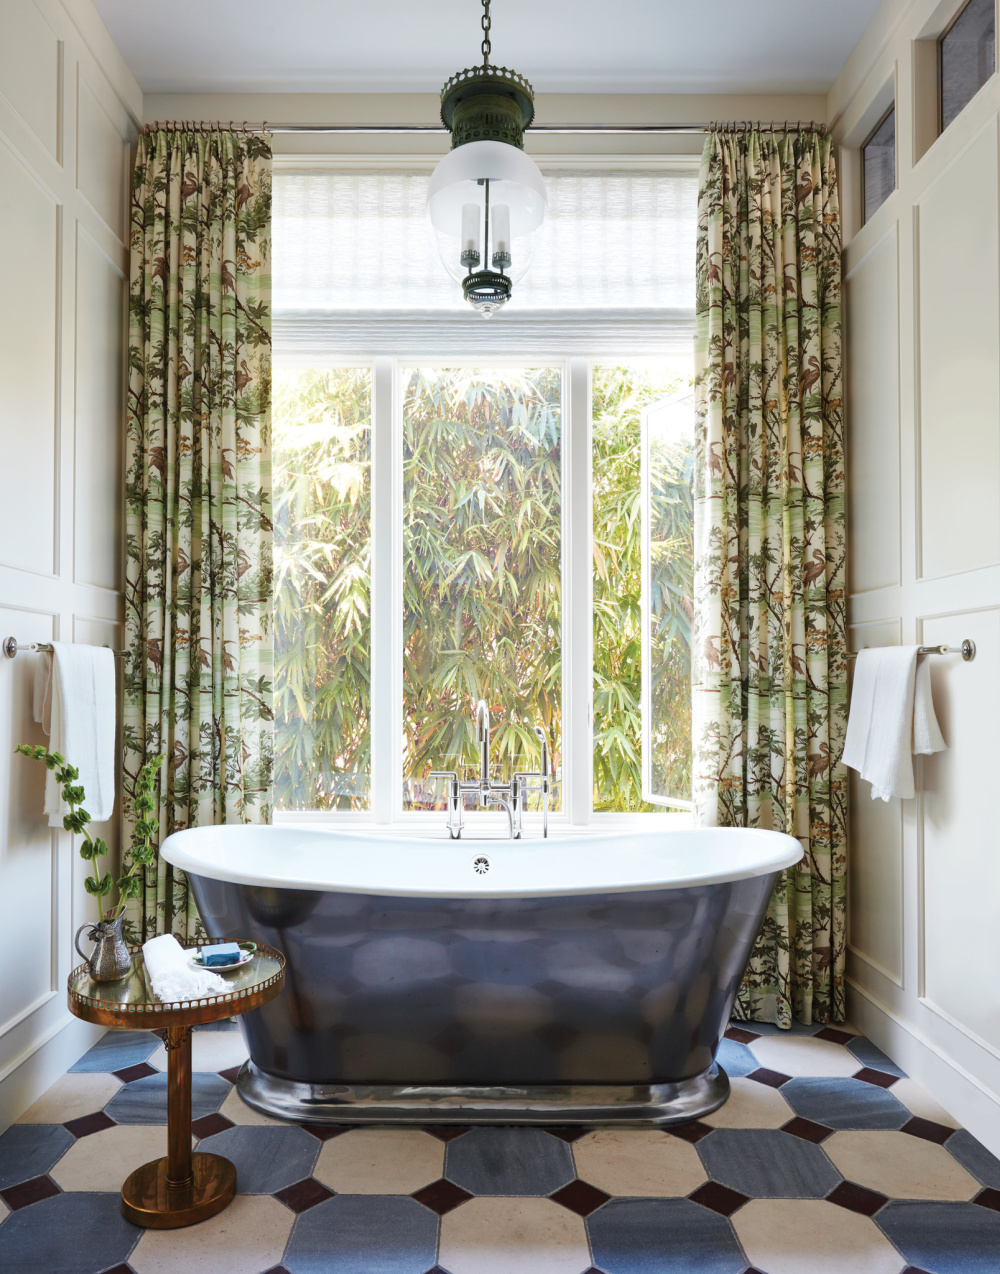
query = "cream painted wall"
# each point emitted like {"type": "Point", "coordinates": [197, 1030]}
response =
{"type": "Point", "coordinates": [68, 116]}
{"type": "Point", "coordinates": [923, 388]}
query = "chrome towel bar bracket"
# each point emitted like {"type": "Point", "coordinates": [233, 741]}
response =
{"type": "Point", "coordinates": [967, 650]}
{"type": "Point", "coordinates": [10, 648]}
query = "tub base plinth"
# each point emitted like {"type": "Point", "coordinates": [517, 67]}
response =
{"type": "Point", "coordinates": [638, 1105]}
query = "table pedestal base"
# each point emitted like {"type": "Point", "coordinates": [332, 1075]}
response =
{"type": "Point", "coordinates": [148, 1199]}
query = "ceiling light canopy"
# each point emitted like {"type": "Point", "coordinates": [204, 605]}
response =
{"type": "Point", "coordinates": [486, 199]}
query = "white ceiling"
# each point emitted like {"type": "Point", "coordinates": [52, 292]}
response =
{"type": "Point", "coordinates": [573, 46]}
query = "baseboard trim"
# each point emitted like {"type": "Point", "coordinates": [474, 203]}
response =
{"type": "Point", "coordinates": [960, 1092]}
{"type": "Point", "coordinates": [29, 1075]}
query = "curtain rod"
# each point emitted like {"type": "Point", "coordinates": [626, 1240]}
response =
{"type": "Point", "coordinates": [583, 129]}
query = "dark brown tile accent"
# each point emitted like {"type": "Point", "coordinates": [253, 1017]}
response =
{"type": "Point", "coordinates": [928, 1129]}
{"type": "Point", "coordinates": [988, 1198]}
{"type": "Point", "coordinates": [209, 1125]}
{"type": "Point", "coordinates": [324, 1132]}
{"type": "Point", "coordinates": [26, 1192]}
{"type": "Point", "coordinates": [441, 1196]}
{"type": "Point", "coordinates": [580, 1197]}
{"type": "Point", "coordinates": [88, 1124]}
{"type": "Point", "coordinates": [881, 1079]}
{"type": "Point", "coordinates": [120, 1269]}
{"type": "Point", "coordinates": [833, 1035]}
{"type": "Point", "coordinates": [141, 1069]}
{"type": "Point", "coordinates": [718, 1198]}
{"type": "Point", "coordinates": [807, 1130]}
{"type": "Point", "coordinates": [773, 1079]}
{"type": "Point", "coordinates": [304, 1194]}
{"type": "Point", "coordinates": [739, 1036]}
{"type": "Point", "coordinates": [856, 1198]}
{"type": "Point", "coordinates": [568, 1134]}
{"type": "Point", "coordinates": [913, 1269]}
{"type": "Point", "coordinates": [230, 1073]}
{"type": "Point", "coordinates": [276, 1269]}
{"type": "Point", "coordinates": [437, 1270]}
{"type": "Point", "coordinates": [446, 1132]}
{"type": "Point", "coordinates": [693, 1132]}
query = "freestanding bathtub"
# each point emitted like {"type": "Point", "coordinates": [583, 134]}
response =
{"type": "Point", "coordinates": [587, 978]}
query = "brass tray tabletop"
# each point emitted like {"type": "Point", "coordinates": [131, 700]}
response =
{"type": "Point", "coordinates": [129, 1002]}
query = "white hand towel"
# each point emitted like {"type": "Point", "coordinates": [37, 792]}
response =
{"type": "Point", "coordinates": [74, 702]}
{"type": "Point", "coordinates": [892, 716]}
{"type": "Point", "coordinates": [172, 975]}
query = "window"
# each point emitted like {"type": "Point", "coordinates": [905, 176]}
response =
{"type": "Point", "coordinates": [967, 57]}
{"type": "Point", "coordinates": [878, 161]}
{"type": "Point", "coordinates": [460, 515]}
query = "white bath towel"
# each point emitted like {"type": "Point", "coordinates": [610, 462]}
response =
{"type": "Point", "coordinates": [172, 975]}
{"type": "Point", "coordinates": [74, 702]}
{"type": "Point", "coordinates": [892, 717]}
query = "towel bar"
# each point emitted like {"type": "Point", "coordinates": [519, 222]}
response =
{"type": "Point", "coordinates": [967, 650]}
{"type": "Point", "coordinates": [10, 648]}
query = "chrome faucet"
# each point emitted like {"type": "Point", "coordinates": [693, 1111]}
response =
{"type": "Point", "coordinates": [511, 797]}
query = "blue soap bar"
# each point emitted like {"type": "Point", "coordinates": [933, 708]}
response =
{"type": "Point", "coordinates": [221, 953]}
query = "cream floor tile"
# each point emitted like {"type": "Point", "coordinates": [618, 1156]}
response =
{"type": "Point", "coordinates": [103, 1160]}
{"type": "Point", "coordinates": [210, 1051]}
{"type": "Point", "coordinates": [638, 1162]}
{"type": "Point", "coordinates": [72, 1096]}
{"type": "Point", "coordinates": [751, 1105]}
{"type": "Point", "coordinates": [901, 1166]}
{"type": "Point", "coordinates": [921, 1103]}
{"type": "Point", "coordinates": [498, 1236]}
{"type": "Point", "coordinates": [247, 1237]}
{"type": "Point", "coordinates": [380, 1161]}
{"type": "Point", "coordinates": [804, 1055]}
{"type": "Point", "coordinates": [792, 1236]}
{"type": "Point", "coordinates": [4, 1211]}
{"type": "Point", "coordinates": [236, 1109]}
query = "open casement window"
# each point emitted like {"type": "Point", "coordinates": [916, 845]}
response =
{"type": "Point", "coordinates": [666, 609]}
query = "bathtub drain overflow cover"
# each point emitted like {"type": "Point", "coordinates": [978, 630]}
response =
{"type": "Point", "coordinates": [481, 866]}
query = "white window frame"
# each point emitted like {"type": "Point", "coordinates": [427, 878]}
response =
{"type": "Point", "coordinates": [576, 625]}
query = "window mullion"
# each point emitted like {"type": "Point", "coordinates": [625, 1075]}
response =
{"type": "Point", "coordinates": [577, 609]}
{"type": "Point", "coordinates": [386, 657]}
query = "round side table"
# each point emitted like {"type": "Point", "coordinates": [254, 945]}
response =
{"type": "Point", "coordinates": [182, 1187]}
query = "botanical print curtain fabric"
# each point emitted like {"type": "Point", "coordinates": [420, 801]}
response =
{"type": "Point", "coordinates": [198, 676]}
{"type": "Point", "coordinates": [770, 692]}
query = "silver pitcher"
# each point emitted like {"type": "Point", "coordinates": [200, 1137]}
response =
{"type": "Point", "coordinates": [109, 959]}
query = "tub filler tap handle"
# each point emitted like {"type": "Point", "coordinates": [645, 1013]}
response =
{"type": "Point", "coordinates": [454, 801]}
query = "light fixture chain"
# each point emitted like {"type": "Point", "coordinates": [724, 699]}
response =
{"type": "Point", "coordinates": [486, 33]}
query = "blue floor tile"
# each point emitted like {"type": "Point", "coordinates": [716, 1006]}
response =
{"type": "Point", "coordinates": [118, 1049]}
{"type": "Point", "coordinates": [509, 1161]}
{"type": "Point", "coordinates": [767, 1164]}
{"type": "Point", "coordinates": [736, 1059]}
{"type": "Point", "coordinates": [144, 1101]}
{"type": "Point", "coordinates": [29, 1150]}
{"type": "Point", "coordinates": [868, 1055]}
{"type": "Point", "coordinates": [946, 1238]}
{"type": "Point", "coordinates": [266, 1159]}
{"type": "Point", "coordinates": [73, 1233]}
{"type": "Point", "coordinates": [845, 1103]}
{"type": "Point", "coordinates": [662, 1236]}
{"type": "Point", "coordinates": [363, 1234]}
{"type": "Point", "coordinates": [975, 1158]}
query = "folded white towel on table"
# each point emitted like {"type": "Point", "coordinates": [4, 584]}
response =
{"type": "Point", "coordinates": [892, 717]}
{"type": "Point", "coordinates": [74, 702]}
{"type": "Point", "coordinates": [172, 975]}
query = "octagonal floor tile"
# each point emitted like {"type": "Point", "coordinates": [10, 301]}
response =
{"type": "Point", "coordinates": [845, 1103]}
{"type": "Point", "coordinates": [67, 1234]}
{"type": "Point", "coordinates": [751, 1105]}
{"type": "Point", "coordinates": [116, 1050]}
{"type": "Point", "coordinates": [735, 1059]}
{"type": "Point", "coordinates": [103, 1160]}
{"type": "Point", "coordinates": [144, 1101]}
{"type": "Point", "coordinates": [869, 1054]}
{"type": "Point", "coordinates": [920, 1103]}
{"type": "Point", "coordinates": [266, 1159]}
{"type": "Point", "coordinates": [210, 1051]}
{"type": "Point", "coordinates": [662, 1236]}
{"type": "Point", "coordinates": [363, 1234]}
{"type": "Point", "coordinates": [70, 1097]}
{"type": "Point", "coordinates": [497, 1236]}
{"type": "Point", "coordinates": [766, 1164]}
{"type": "Point", "coordinates": [948, 1238]}
{"type": "Point", "coordinates": [235, 1109]}
{"type": "Point", "coordinates": [900, 1166]}
{"type": "Point", "coordinates": [788, 1236]}
{"type": "Point", "coordinates": [638, 1163]}
{"type": "Point", "coordinates": [380, 1161]}
{"type": "Point", "coordinates": [30, 1150]}
{"type": "Point", "coordinates": [974, 1157]}
{"type": "Point", "coordinates": [247, 1237]}
{"type": "Point", "coordinates": [804, 1055]}
{"type": "Point", "coordinates": [509, 1161]}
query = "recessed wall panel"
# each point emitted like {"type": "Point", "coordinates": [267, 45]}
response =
{"type": "Point", "coordinates": [28, 317]}
{"type": "Point", "coordinates": [959, 365]}
{"type": "Point", "coordinates": [29, 69]}
{"type": "Point", "coordinates": [961, 836]}
{"type": "Point", "coordinates": [872, 296]}
{"type": "Point", "coordinates": [100, 160]}
{"type": "Point", "coordinates": [100, 315]}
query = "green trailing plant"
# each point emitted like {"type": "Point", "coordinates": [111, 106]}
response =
{"type": "Point", "coordinates": [92, 850]}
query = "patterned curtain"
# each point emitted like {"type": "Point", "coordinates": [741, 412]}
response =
{"type": "Point", "coordinates": [198, 676]}
{"type": "Point", "coordinates": [770, 693]}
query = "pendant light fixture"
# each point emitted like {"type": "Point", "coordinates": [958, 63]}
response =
{"type": "Point", "coordinates": [486, 200]}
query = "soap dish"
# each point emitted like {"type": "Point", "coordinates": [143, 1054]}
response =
{"type": "Point", "coordinates": [248, 950]}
